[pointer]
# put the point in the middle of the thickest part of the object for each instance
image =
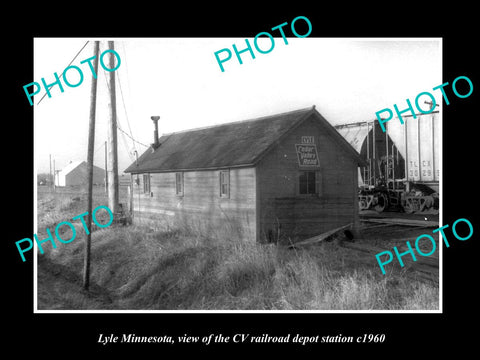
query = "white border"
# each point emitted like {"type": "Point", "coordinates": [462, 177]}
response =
{"type": "Point", "coordinates": [439, 311]}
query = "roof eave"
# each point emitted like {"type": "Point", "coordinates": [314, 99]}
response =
{"type": "Point", "coordinates": [143, 171]}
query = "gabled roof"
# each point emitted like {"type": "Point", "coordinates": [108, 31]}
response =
{"type": "Point", "coordinates": [71, 166]}
{"type": "Point", "coordinates": [234, 144]}
{"type": "Point", "coordinates": [74, 164]}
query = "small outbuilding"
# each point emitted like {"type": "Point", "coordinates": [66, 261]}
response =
{"type": "Point", "coordinates": [287, 175]}
{"type": "Point", "coordinates": [75, 173]}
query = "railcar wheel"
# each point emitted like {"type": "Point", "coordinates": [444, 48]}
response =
{"type": "Point", "coordinates": [436, 201]}
{"type": "Point", "coordinates": [408, 207]}
{"type": "Point", "coordinates": [382, 202]}
{"type": "Point", "coordinates": [362, 204]}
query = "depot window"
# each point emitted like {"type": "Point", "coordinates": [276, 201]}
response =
{"type": "Point", "coordinates": [225, 183]}
{"type": "Point", "coordinates": [309, 182]}
{"type": "Point", "coordinates": [179, 183]}
{"type": "Point", "coordinates": [146, 183]}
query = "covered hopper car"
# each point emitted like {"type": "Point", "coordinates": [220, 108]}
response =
{"type": "Point", "coordinates": [403, 170]}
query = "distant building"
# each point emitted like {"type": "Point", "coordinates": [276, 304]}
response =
{"type": "Point", "coordinates": [75, 173]}
{"type": "Point", "coordinates": [289, 174]}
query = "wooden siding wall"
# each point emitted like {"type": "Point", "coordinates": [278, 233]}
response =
{"type": "Point", "coordinates": [283, 212]}
{"type": "Point", "coordinates": [201, 206]}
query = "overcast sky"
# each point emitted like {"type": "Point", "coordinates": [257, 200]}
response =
{"type": "Point", "coordinates": [348, 80]}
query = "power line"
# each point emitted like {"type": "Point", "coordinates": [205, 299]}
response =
{"type": "Point", "coordinates": [119, 128]}
{"type": "Point", "coordinates": [138, 142]}
{"type": "Point", "coordinates": [83, 47]}
{"type": "Point", "coordinates": [126, 116]}
{"type": "Point", "coordinates": [98, 148]}
{"type": "Point", "coordinates": [125, 108]}
{"type": "Point", "coordinates": [119, 82]}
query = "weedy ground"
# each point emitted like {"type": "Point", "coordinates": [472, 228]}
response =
{"type": "Point", "coordinates": [135, 268]}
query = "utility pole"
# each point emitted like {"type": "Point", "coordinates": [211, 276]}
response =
{"type": "Point", "coordinates": [112, 139]}
{"type": "Point", "coordinates": [50, 173]}
{"type": "Point", "coordinates": [54, 175]}
{"type": "Point", "coordinates": [91, 143]}
{"type": "Point", "coordinates": [106, 172]}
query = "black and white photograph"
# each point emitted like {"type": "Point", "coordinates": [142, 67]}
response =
{"type": "Point", "coordinates": [292, 181]}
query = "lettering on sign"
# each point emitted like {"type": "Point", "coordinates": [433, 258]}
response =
{"type": "Point", "coordinates": [308, 140]}
{"type": "Point", "coordinates": [307, 154]}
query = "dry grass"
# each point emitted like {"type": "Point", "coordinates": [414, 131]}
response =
{"type": "Point", "coordinates": [184, 268]}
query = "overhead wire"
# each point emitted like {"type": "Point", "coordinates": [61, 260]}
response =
{"type": "Point", "coordinates": [121, 91]}
{"type": "Point", "coordinates": [126, 116]}
{"type": "Point", "coordinates": [83, 47]}
{"type": "Point", "coordinates": [138, 142]}
{"type": "Point", "coordinates": [99, 147]}
{"type": "Point", "coordinates": [118, 127]}
{"type": "Point", "coordinates": [125, 109]}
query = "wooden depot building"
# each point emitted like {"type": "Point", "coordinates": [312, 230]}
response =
{"type": "Point", "coordinates": [286, 175]}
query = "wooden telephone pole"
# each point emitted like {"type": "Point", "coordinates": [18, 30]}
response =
{"type": "Point", "coordinates": [50, 173]}
{"type": "Point", "coordinates": [106, 170]}
{"type": "Point", "coordinates": [112, 178]}
{"type": "Point", "coordinates": [112, 140]}
{"type": "Point", "coordinates": [54, 176]}
{"type": "Point", "coordinates": [91, 143]}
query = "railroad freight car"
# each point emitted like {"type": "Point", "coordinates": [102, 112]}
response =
{"type": "Point", "coordinates": [403, 163]}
